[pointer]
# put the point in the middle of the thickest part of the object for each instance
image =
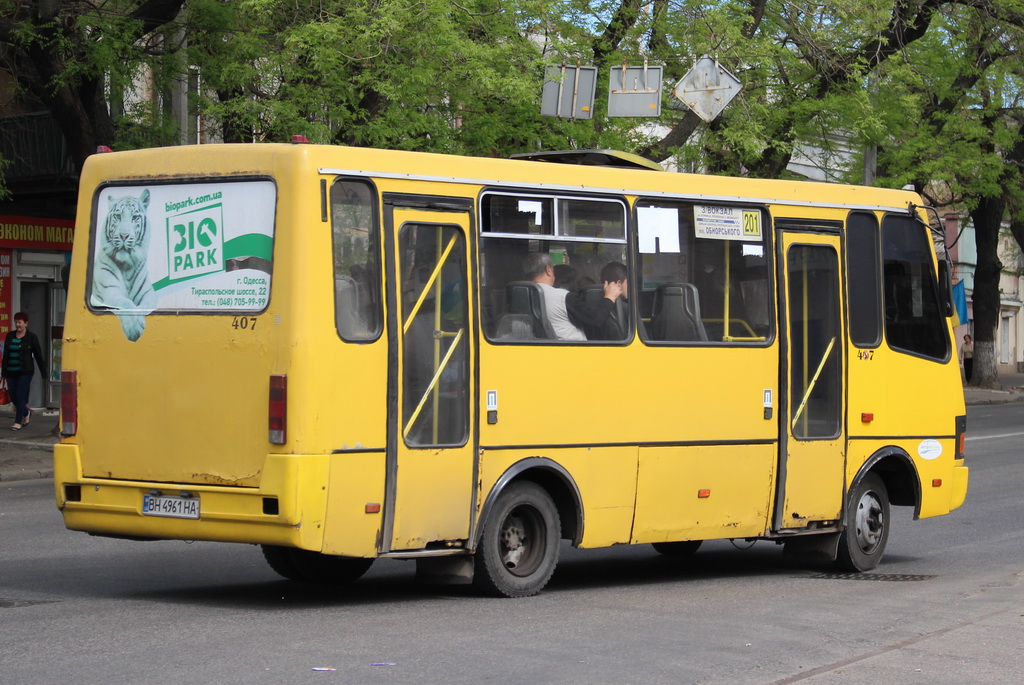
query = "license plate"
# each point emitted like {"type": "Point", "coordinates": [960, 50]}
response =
{"type": "Point", "coordinates": [171, 506]}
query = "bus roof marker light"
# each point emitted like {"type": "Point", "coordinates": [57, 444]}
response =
{"type": "Point", "coordinates": [278, 409]}
{"type": "Point", "coordinates": [100, 149]}
{"type": "Point", "coordinates": [297, 139]}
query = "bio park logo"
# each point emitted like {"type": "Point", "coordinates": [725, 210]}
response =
{"type": "Point", "coordinates": [195, 237]}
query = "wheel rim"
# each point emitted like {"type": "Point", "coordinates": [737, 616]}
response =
{"type": "Point", "coordinates": [870, 522]}
{"type": "Point", "coordinates": [521, 541]}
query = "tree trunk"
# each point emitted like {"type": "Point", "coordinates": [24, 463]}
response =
{"type": "Point", "coordinates": [987, 219]}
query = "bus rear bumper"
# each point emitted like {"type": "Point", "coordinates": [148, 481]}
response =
{"type": "Point", "coordinates": [268, 514]}
{"type": "Point", "coordinates": [959, 493]}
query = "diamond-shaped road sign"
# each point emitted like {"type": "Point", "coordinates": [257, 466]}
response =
{"type": "Point", "coordinates": [707, 88]}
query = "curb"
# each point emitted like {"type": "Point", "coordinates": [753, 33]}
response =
{"type": "Point", "coordinates": [28, 444]}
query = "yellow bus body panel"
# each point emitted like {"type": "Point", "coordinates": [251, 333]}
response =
{"type": "Point", "coordinates": [605, 477]}
{"type": "Point", "coordinates": [684, 493]}
{"type": "Point", "coordinates": [356, 482]}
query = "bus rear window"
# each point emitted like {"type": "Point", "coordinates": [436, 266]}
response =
{"type": "Point", "coordinates": [181, 248]}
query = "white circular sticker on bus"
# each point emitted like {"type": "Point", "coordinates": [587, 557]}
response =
{"type": "Point", "coordinates": [929, 449]}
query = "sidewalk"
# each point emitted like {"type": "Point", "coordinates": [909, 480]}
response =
{"type": "Point", "coordinates": [28, 454]}
{"type": "Point", "coordinates": [1013, 391]}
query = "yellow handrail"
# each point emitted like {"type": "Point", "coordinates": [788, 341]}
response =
{"type": "Point", "coordinates": [810, 387]}
{"type": "Point", "coordinates": [426, 286]}
{"type": "Point", "coordinates": [431, 386]}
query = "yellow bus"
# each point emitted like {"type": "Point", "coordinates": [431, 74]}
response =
{"type": "Point", "coordinates": [345, 354]}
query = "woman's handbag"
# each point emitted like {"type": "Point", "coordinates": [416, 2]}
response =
{"type": "Point", "coordinates": [5, 396]}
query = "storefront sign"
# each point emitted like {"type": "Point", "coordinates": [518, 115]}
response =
{"type": "Point", "coordinates": [34, 233]}
{"type": "Point", "coordinates": [6, 289]}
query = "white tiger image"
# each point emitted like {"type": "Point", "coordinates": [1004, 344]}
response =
{"type": "Point", "coordinates": [120, 278]}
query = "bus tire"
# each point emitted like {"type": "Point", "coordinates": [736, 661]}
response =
{"type": "Point", "coordinates": [518, 547]}
{"type": "Point", "coordinates": [866, 533]}
{"type": "Point", "coordinates": [313, 567]}
{"type": "Point", "coordinates": [677, 549]}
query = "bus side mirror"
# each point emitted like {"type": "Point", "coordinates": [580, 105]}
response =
{"type": "Point", "coordinates": [946, 287]}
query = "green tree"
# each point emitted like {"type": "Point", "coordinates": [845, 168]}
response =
{"type": "Point", "coordinates": [957, 136]}
{"type": "Point", "coordinates": [63, 55]}
{"type": "Point", "coordinates": [431, 75]}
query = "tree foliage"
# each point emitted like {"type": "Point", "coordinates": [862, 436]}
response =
{"type": "Point", "coordinates": [64, 56]}
{"type": "Point", "coordinates": [934, 86]}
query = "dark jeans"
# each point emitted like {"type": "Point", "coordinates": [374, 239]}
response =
{"type": "Point", "coordinates": [19, 386]}
{"type": "Point", "coordinates": [968, 369]}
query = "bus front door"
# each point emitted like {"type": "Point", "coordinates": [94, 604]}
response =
{"type": "Point", "coordinates": [430, 454]}
{"type": "Point", "coordinates": [812, 453]}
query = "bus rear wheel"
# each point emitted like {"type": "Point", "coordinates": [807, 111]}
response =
{"type": "Point", "coordinates": [313, 567]}
{"type": "Point", "coordinates": [863, 540]}
{"type": "Point", "coordinates": [518, 547]}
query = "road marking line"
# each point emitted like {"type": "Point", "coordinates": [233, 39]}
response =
{"type": "Point", "coordinates": [971, 438]}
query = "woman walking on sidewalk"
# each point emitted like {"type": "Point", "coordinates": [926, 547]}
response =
{"type": "Point", "coordinates": [967, 358]}
{"type": "Point", "coordinates": [20, 346]}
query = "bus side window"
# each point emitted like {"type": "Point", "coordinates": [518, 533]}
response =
{"type": "Point", "coordinates": [357, 305]}
{"type": "Point", "coordinates": [581, 235]}
{"type": "Point", "coordinates": [704, 272]}
{"type": "Point", "coordinates": [864, 281]}
{"type": "Point", "coordinates": [914, 320]}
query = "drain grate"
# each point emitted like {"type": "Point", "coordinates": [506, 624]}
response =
{"type": "Point", "coordinates": [890, 577]}
{"type": "Point", "coordinates": [6, 603]}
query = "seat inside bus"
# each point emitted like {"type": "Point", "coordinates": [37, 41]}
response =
{"type": "Point", "coordinates": [675, 314]}
{"type": "Point", "coordinates": [525, 298]}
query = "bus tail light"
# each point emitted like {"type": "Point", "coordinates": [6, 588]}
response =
{"type": "Point", "coordinates": [278, 410]}
{"type": "Point", "coordinates": [68, 403]}
{"type": "Point", "coordinates": [961, 436]}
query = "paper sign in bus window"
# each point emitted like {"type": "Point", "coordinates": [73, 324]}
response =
{"type": "Point", "coordinates": [658, 229]}
{"type": "Point", "coordinates": [726, 223]}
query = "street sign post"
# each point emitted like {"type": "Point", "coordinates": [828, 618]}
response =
{"type": "Point", "coordinates": [569, 92]}
{"type": "Point", "coordinates": [634, 91]}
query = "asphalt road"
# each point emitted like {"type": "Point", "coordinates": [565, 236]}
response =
{"type": "Point", "coordinates": [946, 606]}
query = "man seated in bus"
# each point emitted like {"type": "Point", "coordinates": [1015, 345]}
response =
{"type": "Point", "coordinates": [568, 312]}
{"type": "Point", "coordinates": [608, 318]}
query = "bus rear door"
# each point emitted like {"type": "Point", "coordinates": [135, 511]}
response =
{"type": "Point", "coordinates": [430, 453]}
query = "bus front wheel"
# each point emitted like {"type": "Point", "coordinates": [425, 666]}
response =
{"type": "Point", "coordinates": [863, 540]}
{"type": "Point", "coordinates": [313, 567]}
{"type": "Point", "coordinates": [518, 548]}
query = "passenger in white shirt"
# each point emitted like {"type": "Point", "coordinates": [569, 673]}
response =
{"type": "Point", "coordinates": [565, 311]}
